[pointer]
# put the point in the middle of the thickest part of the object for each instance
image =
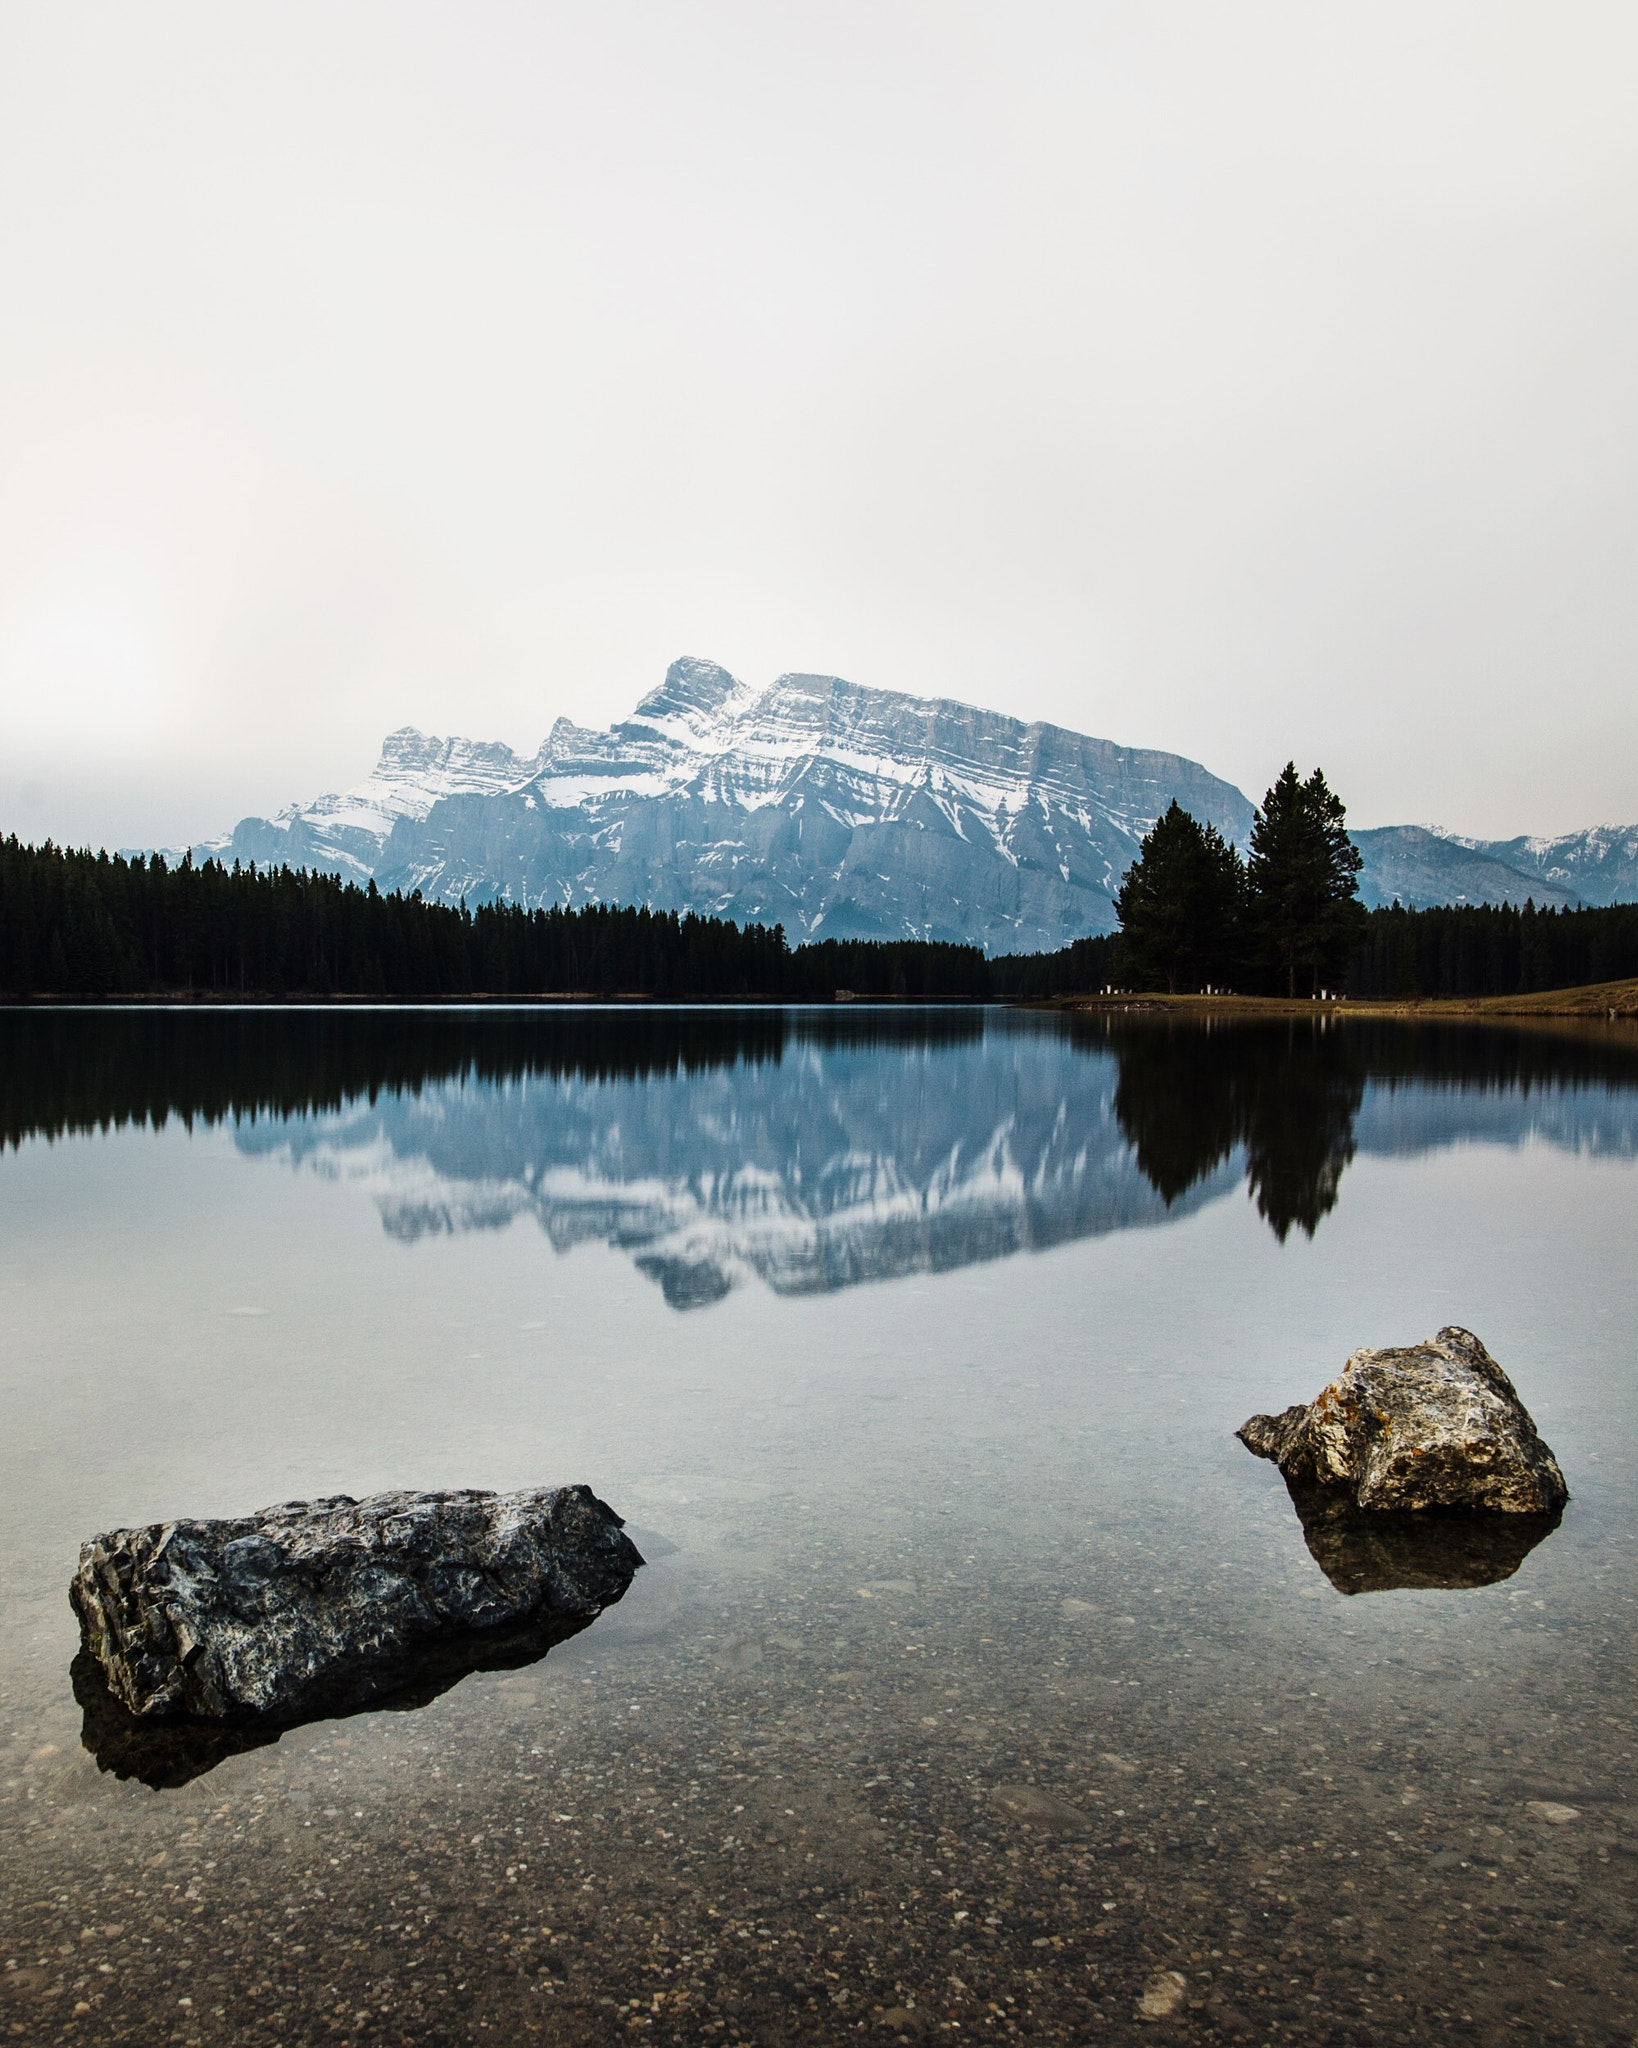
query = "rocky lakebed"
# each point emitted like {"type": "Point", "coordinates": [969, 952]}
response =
{"type": "Point", "coordinates": [875, 1790]}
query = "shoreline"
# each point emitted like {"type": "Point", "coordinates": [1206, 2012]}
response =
{"type": "Point", "coordinates": [1598, 1002]}
{"type": "Point", "coordinates": [232, 999]}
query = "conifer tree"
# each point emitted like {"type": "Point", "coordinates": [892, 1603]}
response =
{"type": "Point", "coordinates": [1303, 879]}
{"type": "Point", "coordinates": [1179, 905]}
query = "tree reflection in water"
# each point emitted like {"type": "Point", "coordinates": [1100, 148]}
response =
{"type": "Point", "coordinates": [815, 1147]}
{"type": "Point", "coordinates": [1289, 1094]}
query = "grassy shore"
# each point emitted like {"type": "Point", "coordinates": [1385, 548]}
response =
{"type": "Point", "coordinates": [1600, 1000]}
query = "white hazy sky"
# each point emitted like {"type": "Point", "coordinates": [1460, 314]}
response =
{"type": "Point", "coordinates": [1249, 380]}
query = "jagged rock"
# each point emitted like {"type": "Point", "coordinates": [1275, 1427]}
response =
{"type": "Point", "coordinates": [319, 1607]}
{"type": "Point", "coordinates": [1434, 1425]}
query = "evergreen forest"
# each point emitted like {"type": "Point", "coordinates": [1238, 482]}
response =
{"type": "Point", "coordinates": [101, 925]}
{"type": "Point", "coordinates": [1286, 920]}
{"type": "Point", "coordinates": [1194, 916]}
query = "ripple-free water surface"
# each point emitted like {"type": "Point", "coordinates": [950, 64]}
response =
{"type": "Point", "coordinates": [979, 1684]}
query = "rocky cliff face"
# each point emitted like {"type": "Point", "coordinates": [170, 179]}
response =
{"type": "Point", "coordinates": [1597, 866]}
{"type": "Point", "coordinates": [1420, 866]}
{"type": "Point", "coordinates": [347, 833]}
{"type": "Point", "coordinates": [839, 812]}
{"type": "Point", "coordinates": [835, 810]}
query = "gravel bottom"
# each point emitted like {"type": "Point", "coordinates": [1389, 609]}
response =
{"type": "Point", "coordinates": [796, 1801]}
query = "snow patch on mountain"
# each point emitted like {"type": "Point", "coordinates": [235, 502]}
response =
{"type": "Point", "coordinates": [840, 811]}
{"type": "Point", "coordinates": [836, 809]}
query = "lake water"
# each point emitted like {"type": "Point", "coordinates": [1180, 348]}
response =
{"type": "Point", "coordinates": [979, 1679]}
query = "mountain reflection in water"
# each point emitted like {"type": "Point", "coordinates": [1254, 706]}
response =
{"type": "Point", "coordinates": [814, 1148]}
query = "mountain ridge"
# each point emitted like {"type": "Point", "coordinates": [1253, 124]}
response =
{"type": "Point", "coordinates": [839, 811]}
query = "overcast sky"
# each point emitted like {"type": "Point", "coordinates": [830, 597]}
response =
{"type": "Point", "coordinates": [1249, 380]}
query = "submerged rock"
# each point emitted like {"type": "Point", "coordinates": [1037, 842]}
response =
{"type": "Point", "coordinates": [170, 1750]}
{"type": "Point", "coordinates": [1434, 1425]}
{"type": "Point", "coordinates": [1164, 1996]}
{"type": "Point", "coordinates": [1038, 1808]}
{"type": "Point", "coordinates": [1374, 1550]}
{"type": "Point", "coordinates": [325, 1606]}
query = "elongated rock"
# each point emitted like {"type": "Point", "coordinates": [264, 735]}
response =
{"type": "Point", "coordinates": [1434, 1425]}
{"type": "Point", "coordinates": [314, 1607]}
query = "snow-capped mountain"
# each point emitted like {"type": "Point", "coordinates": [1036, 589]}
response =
{"type": "Point", "coordinates": [1419, 865]}
{"type": "Point", "coordinates": [345, 833]}
{"type": "Point", "coordinates": [1595, 866]}
{"type": "Point", "coordinates": [835, 810]}
{"type": "Point", "coordinates": [841, 812]}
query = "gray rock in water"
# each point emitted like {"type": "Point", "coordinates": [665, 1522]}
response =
{"type": "Point", "coordinates": [318, 1607]}
{"type": "Point", "coordinates": [1435, 1425]}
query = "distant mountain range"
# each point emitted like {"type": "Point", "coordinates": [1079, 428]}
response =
{"type": "Point", "coordinates": [1421, 865]}
{"type": "Point", "coordinates": [840, 812]}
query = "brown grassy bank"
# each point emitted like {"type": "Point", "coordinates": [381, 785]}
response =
{"type": "Point", "coordinates": [1600, 1001]}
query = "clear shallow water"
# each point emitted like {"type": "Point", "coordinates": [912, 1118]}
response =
{"type": "Point", "coordinates": [978, 1675]}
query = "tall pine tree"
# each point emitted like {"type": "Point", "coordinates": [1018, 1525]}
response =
{"type": "Point", "coordinates": [1303, 880]}
{"type": "Point", "coordinates": [1179, 905]}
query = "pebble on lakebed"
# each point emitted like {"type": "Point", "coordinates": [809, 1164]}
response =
{"type": "Point", "coordinates": [1432, 1425]}
{"type": "Point", "coordinates": [317, 1607]}
{"type": "Point", "coordinates": [1164, 1996]}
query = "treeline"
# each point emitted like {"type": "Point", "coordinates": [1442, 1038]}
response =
{"type": "Point", "coordinates": [1287, 919]}
{"type": "Point", "coordinates": [101, 925]}
{"type": "Point", "coordinates": [1455, 950]}
{"type": "Point", "coordinates": [1080, 969]}
{"type": "Point", "coordinates": [78, 924]}
{"type": "Point", "coordinates": [1492, 950]}
{"type": "Point", "coordinates": [887, 967]}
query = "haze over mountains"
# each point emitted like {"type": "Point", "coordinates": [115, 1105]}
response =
{"type": "Point", "coordinates": [840, 812]}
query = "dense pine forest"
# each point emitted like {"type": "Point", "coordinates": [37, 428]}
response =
{"type": "Point", "coordinates": [1492, 950]}
{"type": "Point", "coordinates": [82, 924]}
{"type": "Point", "coordinates": [78, 924]}
{"type": "Point", "coordinates": [1456, 951]}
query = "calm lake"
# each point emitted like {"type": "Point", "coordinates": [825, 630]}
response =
{"type": "Point", "coordinates": [979, 1683]}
